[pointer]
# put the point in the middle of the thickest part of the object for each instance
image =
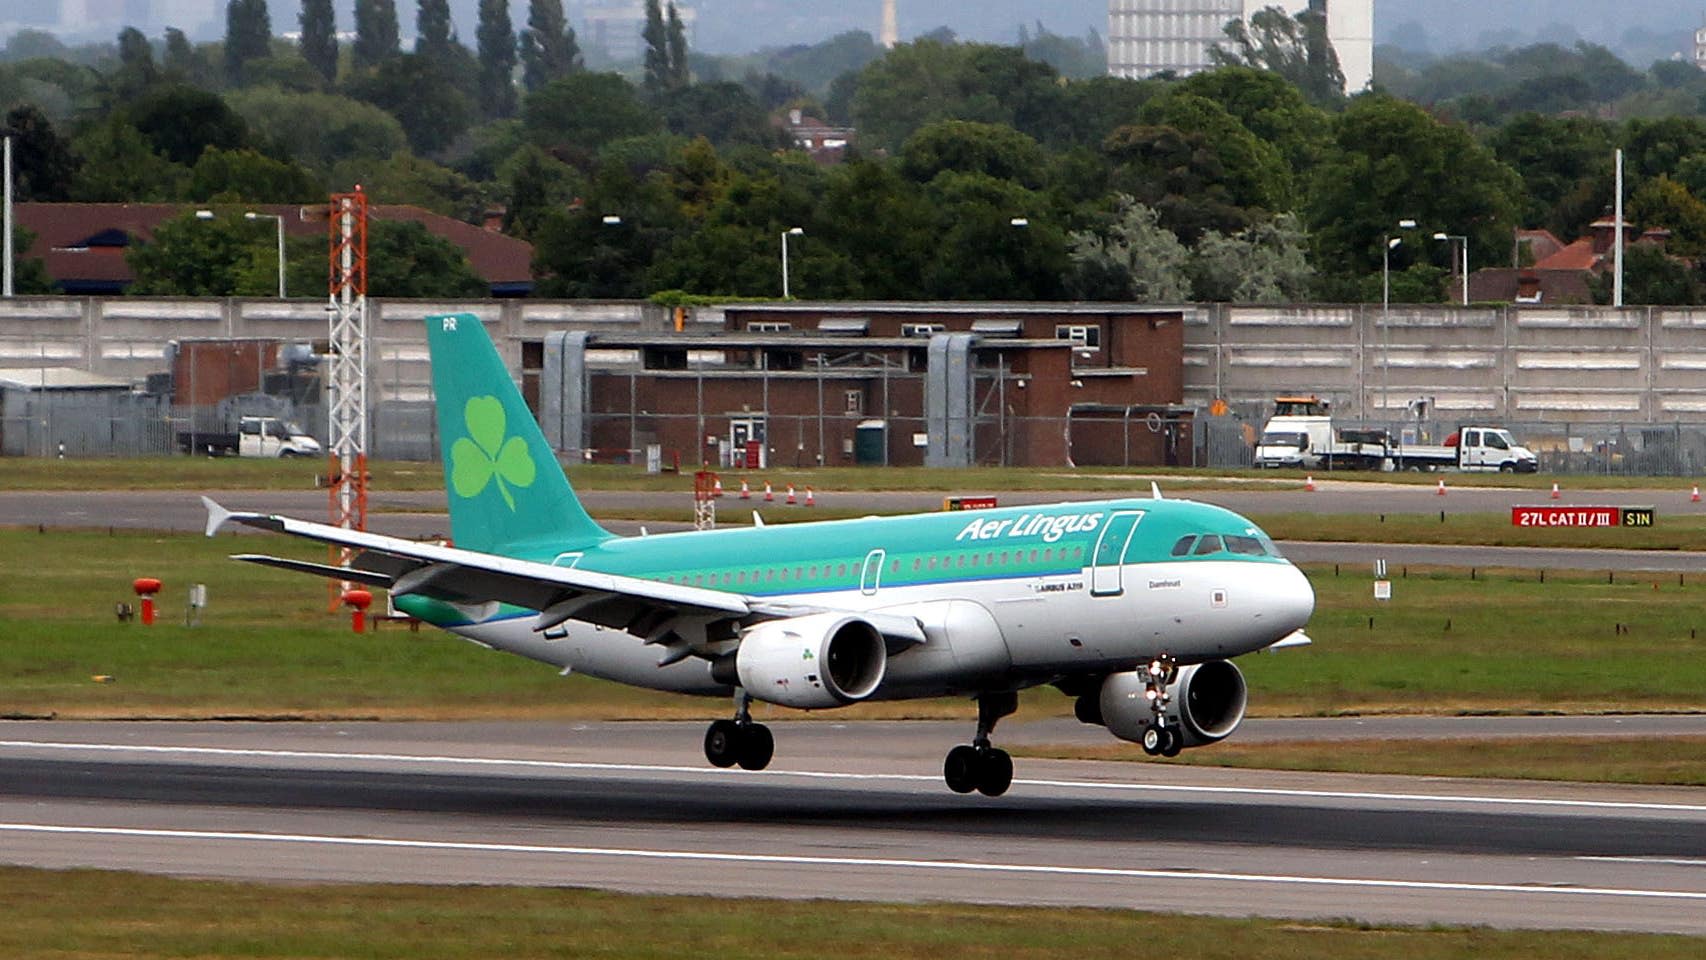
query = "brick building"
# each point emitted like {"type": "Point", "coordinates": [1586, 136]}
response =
{"type": "Point", "coordinates": [878, 384]}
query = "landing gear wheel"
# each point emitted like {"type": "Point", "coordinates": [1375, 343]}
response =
{"type": "Point", "coordinates": [722, 743]}
{"type": "Point", "coordinates": [962, 768]}
{"type": "Point", "coordinates": [1154, 740]}
{"type": "Point", "coordinates": [1175, 743]}
{"type": "Point", "coordinates": [756, 747]}
{"type": "Point", "coordinates": [996, 774]}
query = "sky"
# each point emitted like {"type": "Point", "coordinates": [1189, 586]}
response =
{"type": "Point", "coordinates": [1641, 30]}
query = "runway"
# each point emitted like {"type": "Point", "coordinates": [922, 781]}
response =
{"type": "Point", "coordinates": [848, 811]}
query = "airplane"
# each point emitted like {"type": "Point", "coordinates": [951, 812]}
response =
{"type": "Point", "coordinates": [1134, 607]}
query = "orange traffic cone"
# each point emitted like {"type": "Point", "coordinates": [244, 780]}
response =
{"type": "Point", "coordinates": [1309, 484]}
{"type": "Point", "coordinates": [1440, 491]}
{"type": "Point", "coordinates": [791, 494]}
{"type": "Point", "coordinates": [717, 487]}
{"type": "Point", "coordinates": [1554, 491]}
{"type": "Point", "coordinates": [1694, 495]}
{"type": "Point", "coordinates": [768, 496]}
{"type": "Point", "coordinates": [811, 501]}
{"type": "Point", "coordinates": [745, 494]}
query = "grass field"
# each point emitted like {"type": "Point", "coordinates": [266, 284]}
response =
{"type": "Point", "coordinates": [268, 647]}
{"type": "Point", "coordinates": [88, 915]}
{"type": "Point", "coordinates": [231, 473]}
{"type": "Point", "coordinates": [1672, 760]}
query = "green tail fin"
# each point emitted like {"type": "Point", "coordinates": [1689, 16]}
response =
{"type": "Point", "coordinates": [503, 481]}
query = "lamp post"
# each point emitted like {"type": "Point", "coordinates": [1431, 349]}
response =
{"type": "Point", "coordinates": [1389, 244]}
{"type": "Point", "coordinates": [790, 232]}
{"type": "Point", "coordinates": [252, 215]}
{"type": "Point", "coordinates": [1462, 265]}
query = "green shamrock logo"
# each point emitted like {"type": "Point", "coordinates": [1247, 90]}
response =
{"type": "Point", "coordinates": [484, 455]}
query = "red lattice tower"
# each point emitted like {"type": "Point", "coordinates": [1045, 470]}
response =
{"type": "Point", "coordinates": [347, 231]}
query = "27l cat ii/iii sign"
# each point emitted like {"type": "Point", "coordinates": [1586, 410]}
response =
{"type": "Point", "coordinates": [1552, 516]}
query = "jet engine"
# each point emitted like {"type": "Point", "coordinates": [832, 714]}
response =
{"type": "Point", "coordinates": [1205, 703]}
{"type": "Point", "coordinates": [812, 662]}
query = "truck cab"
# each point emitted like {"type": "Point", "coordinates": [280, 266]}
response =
{"type": "Point", "coordinates": [1492, 448]}
{"type": "Point", "coordinates": [272, 437]}
{"type": "Point", "coordinates": [1296, 435]}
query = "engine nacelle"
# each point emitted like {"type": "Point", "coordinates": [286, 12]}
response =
{"type": "Point", "coordinates": [1206, 703]}
{"type": "Point", "coordinates": [812, 662]}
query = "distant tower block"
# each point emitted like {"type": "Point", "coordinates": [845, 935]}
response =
{"type": "Point", "coordinates": [891, 32]}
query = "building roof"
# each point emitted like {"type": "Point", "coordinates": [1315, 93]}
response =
{"type": "Point", "coordinates": [1577, 256]}
{"type": "Point", "coordinates": [57, 378]}
{"type": "Point", "coordinates": [82, 244]}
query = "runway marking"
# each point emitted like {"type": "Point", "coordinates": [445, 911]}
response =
{"type": "Point", "coordinates": [793, 860]}
{"type": "Point", "coordinates": [1657, 861]}
{"type": "Point", "coordinates": [1290, 793]}
{"type": "Point", "coordinates": [1287, 793]}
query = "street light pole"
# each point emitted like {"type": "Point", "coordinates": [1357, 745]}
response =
{"type": "Point", "coordinates": [252, 215]}
{"type": "Point", "coordinates": [1461, 250]}
{"type": "Point", "coordinates": [790, 232]}
{"type": "Point", "coordinates": [1389, 244]}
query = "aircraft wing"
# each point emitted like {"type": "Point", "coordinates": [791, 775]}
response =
{"type": "Point", "coordinates": [647, 608]}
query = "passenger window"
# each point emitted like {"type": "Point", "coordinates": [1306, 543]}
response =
{"type": "Point", "coordinates": [917, 564]}
{"type": "Point", "coordinates": [932, 563]}
{"type": "Point", "coordinates": [811, 573]}
{"type": "Point", "coordinates": [841, 570]}
{"type": "Point", "coordinates": [1207, 545]}
{"type": "Point", "coordinates": [974, 559]}
{"type": "Point", "coordinates": [960, 561]}
{"type": "Point", "coordinates": [1182, 548]}
{"type": "Point", "coordinates": [990, 558]}
{"type": "Point", "coordinates": [894, 567]}
{"type": "Point", "coordinates": [1048, 555]}
{"type": "Point", "coordinates": [1033, 556]}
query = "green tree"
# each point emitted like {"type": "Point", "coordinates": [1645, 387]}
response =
{"type": "Point", "coordinates": [980, 253]}
{"type": "Point", "coordinates": [120, 166]}
{"type": "Point", "coordinates": [318, 130]}
{"type": "Point", "coordinates": [497, 59]}
{"type": "Point", "coordinates": [656, 37]}
{"type": "Point", "coordinates": [1252, 171]}
{"type": "Point", "coordinates": [180, 122]}
{"type": "Point", "coordinates": [248, 36]}
{"type": "Point", "coordinates": [43, 165]}
{"type": "Point", "coordinates": [246, 176]}
{"type": "Point", "coordinates": [136, 71]}
{"type": "Point", "coordinates": [404, 259]}
{"type": "Point", "coordinates": [405, 178]}
{"type": "Point", "coordinates": [1070, 56]}
{"type": "Point", "coordinates": [435, 34]}
{"type": "Point", "coordinates": [1391, 161]}
{"type": "Point", "coordinates": [423, 96]}
{"type": "Point", "coordinates": [926, 81]}
{"type": "Point", "coordinates": [1665, 204]}
{"type": "Point", "coordinates": [1296, 48]}
{"type": "Point", "coordinates": [1650, 278]}
{"type": "Point", "coordinates": [586, 111]}
{"type": "Point", "coordinates": [883, 224]}
{"type": "Point", "coordinates": [1270, 107]}
{"type": "Point", "coordinates": [548, 48]}
{"type": "Point", "coordinates": [723, 113]}
{"type": "Point", "coordinates": [376, 33]}
{"type": "Point", "coordinates": [676, 37]}
{"type": "Point", "coordinates": [319, 41]}
{"type": "Point", "coordinates": [188, 257]}
{"type": "Point", "coordinates": [1658, 147]}
{"type": "Point", "coordinates": [1267, 263]}
{"type": "Point", "coordinates": [534, 184]}
{"type": "Point", "coordinates": [29, 274]}
{"type": "Point", "coordinates": [1130, 257]}
{"type": "Point", "coordinates": [1556, 157]}
{"type": "Point", "coordinates": [1179, 176]}
{"type": "Point", "coordinates": [184, 64]}
{"type": "Point", "coordinates": [967, 147]}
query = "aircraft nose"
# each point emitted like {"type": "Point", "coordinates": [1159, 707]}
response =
{"type": "Point", "coordinates": [1294, 598]}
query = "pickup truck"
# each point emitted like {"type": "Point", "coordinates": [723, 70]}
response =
{"type": "Point", "coordinates": [1302, 437]}
{"type": "Point", "coordinates": [255, 437]}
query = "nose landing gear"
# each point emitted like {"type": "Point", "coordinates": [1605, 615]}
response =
{"type": "Point", "coordinates": [728, 742]}
{"type": "Point", "coordinates": [978, 765]}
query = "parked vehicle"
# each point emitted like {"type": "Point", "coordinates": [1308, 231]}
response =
{"type": "Point", "coordinates": [254, 437]}
{"type": "Point", "coordinates": [1301, 436]}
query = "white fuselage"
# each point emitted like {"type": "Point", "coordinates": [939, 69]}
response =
{"type": "Point", "coordinates": [1025, 629]}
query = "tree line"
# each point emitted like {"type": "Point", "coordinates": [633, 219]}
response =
{"type": "Point", "coordinates": [978, 171]}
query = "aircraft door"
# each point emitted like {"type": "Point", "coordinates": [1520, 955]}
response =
{"type": "Point", "coordinates": [1105, 560]}
{"type": "Point", "coordinates": [871, 576]}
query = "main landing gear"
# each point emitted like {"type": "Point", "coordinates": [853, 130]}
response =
{"type": "Point", "coordinates": [1159, 739]}
{"type": "Point", "coordinates": [977, 765]}
{"type": "Point", "coordinates": [741, 741]}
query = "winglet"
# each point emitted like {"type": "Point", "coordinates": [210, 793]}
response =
{"type": "Point", "coordinates": [1155, 490]}
{"type": "Point", "coordinates": [757, 520]}
{"type": "Point", "coordinates": [216, 515]}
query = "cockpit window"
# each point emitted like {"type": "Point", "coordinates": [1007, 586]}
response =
{"type": "Point", "coordinates": [1248, 546]}
{"type": "Point", "coordinates": [1183, 547]}
{"type": "Point", "coordinates": [1208, 544]}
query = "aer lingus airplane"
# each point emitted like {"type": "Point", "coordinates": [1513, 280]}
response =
{"type": "Point", "coordinates": [1135, 607]}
